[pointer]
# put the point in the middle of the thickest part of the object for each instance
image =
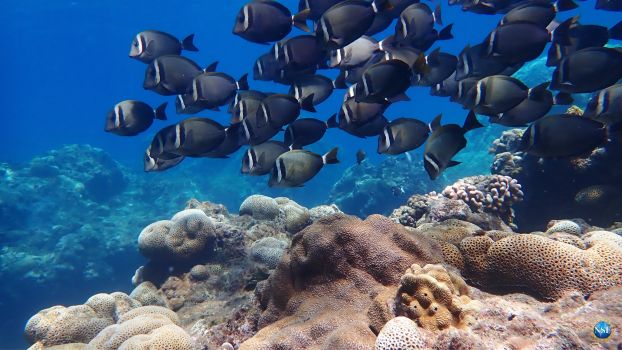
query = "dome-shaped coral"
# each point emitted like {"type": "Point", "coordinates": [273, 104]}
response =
{"type": "Point", "coordinates": [268, 251]}
{"type": "Point", "coordinates": [565, 226]}
{"type": "Point", "coordinates": [260, 207]}
{"type": "Point", "coordinates": [147, 294]}
{"type": "Point", "coordinates": [182, 238]}
{"type": "Point", "coordinates": [435, 298]}
{"type": "Point", "coordinates": [400, 333]}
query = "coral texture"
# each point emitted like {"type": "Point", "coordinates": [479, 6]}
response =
{"type": "Point", "coordinates": [400, 333]}
{"type": "Point", "coordinates": [435, 298]}
{"type": "Point", "coordinates": [268, 251]}
{"type": "Point", "coordinates": [332, 273]}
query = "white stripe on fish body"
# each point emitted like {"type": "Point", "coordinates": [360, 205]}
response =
{"type": "Point", "coordinates": [465, 65]}
{"type": "Point", "coordinates": [279, 175]}
{"type": "Point", "coordinates": [558, 51]}
{"type": "Point", "coordinates": [117, 116]}
{"type": "Point", "coordinates": [177, 136]}
{"type": "Point", "coordinates": [181, 102]}
{"type": "Point", "coordinates": [387, 141]}
{"type": "Point", "coordinates": [195, 90]}
{"type": "Point", "coordinates": [346, 113]}
{"type": "Point", "coordinates": [460, 89]}
{"type": "Point", "coordinates": [141, 45]}
{"type": "Point", "coordinates": [237, 85]}
{"type": "Point", "coordinates": [307, 4]}
{"type": "Point", "coordinates": [287, 54]}
{"type": "Point", "coordinates": [259, 68]}
{"type": "Point", "coordinates": [339, 57]}
{"type": "Point", "coordinates": [533, 135]}
{"type": "Point", "coordinates": [251, 163]}
{"type": "Point", "coordinates": [432, 162]}
{"type": "Point", "coordinates": [242, 110]}
{"type": "Point", "coordinates": [374, 7]}
{"type": "Point", "coordinates": [404, 26]}
{"type": "Point", "coordinates": [246, 18]}
{"type": "Point", "coordinates": [479, 90]}
{"type": "Point", "coordinates": [324, 29]}
{"type": "Point", "coordinates": [265, 111]}
{"type": "Point", "coordinates": [491, 42]}
{"type": "Point", "coordinates": [246, 131]}
{"type": "Point", "coordinates": [365, 86]}
{"type": "Point", "coordinates": [600, 104]}
{"type": "Point", "coordinates": [297, 92]}
{"type": "Point", "coordinates": [156, 63]}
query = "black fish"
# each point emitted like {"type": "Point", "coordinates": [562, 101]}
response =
{"type": "Point", "coordinates": [356, 53]}
{"type": "Point", "coordinates": [256, 132]}
{"type": "Point", "coordinates": [151, 44]}
{"type": "Point", "coordinates": [538, 12]}
{"type": "Point", "coordinates": [229, 145]}
{"type": "Point", "coordinates": [152, 163]}
{"type": "Point", "coordinates": [359, 113]}
{"type": "Point", "coordinates": [131, 117]}
{"type": "Point", "coordinates": [161, 144]}
{"type": "Point", "coordinates": [580, 37]}
{"type": "Point", "coordinates": [347, 21]}
{"type": "Point", "coordinates": [370, 128]}
{"type": "Point", "coordinates": [609, 5]}
{"type": "Point", "coordinates": [244, 104]}
{"type": "Point", "coordinates": [438, 67]}
{"type": "Point", "coordinates": [316, 7]}
{"type": "Point", "coordinates": [475, 62]}
{"type": "Point", "coordinates": [360, 156]}
{"type": "Point", "coordinates": [280, 109]}
{"type": "Point", "coordinates": [170, 75]}
{"type": "Point", "coordinates": [294, 168]}
{"type": "Point", "coordinates": [303, 132]}
{"type": "Point", "coordinates": [416, 22]}
{"type": "Point", "coordinates": [463, 92]}
{"type": "Point", "coordinates": [407, 54]}
{"type": "Point", "coordinates": [403, 135]}
{"type": "Point", "coordinates": [267, 21]}
{"type": "Point", "coordinates": [317, 85]}
{"type": "Point", "coordinates": [444, 143]}
{"type": "Point", "coordinates": [563, 135]}
{"type": "Point", "coordinates": [606, 105]}
{"type": "Point", "coordinates": [266, 67]}
{"type": "Point", "coordinates": [216, 89]}
{"type": "Point", "coordinates": [299, 52]}
{"type": "Point", "coordinates": [531, 108]}
{"type": "Point", "coordinates": [185, 104]}
{"type": "Point", "coordinates": [499, 93]}
{"type": "Point", "coordinates": [383, 81]}
{"type": "Point", "coordinates": [195, 137]}
{"type": "Point", "coordinates": [445, 88]}
{"type": "Point", "coordinates": [588, 70]}
{"type": "Point", "coordinates": [516, 42]}
{"type": "Point", "coordinates": [259, 159]}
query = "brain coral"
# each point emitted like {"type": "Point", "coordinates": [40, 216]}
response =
{"type": "Point", "coordinates": [435, 298]}
{"type": "Point", "coordinates": [550, 268]}
{"type": "Point", "coordinates": [77, 324]}
{"type": "Point", "coordinates": [268, 251]}
{"type": "Point", "coordinates": [147, 294]}
{"type": "Point", "coordinates": [147, 327]}
{"type": "Point", "coordinates": [566, 226]}
{"type": "Point", "coordinates": [318, 295]}
{"type": "Point", "coordinates": [260, 207]}
{"type": "Point", "coordinates": [400, 333]}
{"type": "Point", "coordinates": [295, 217]}
{"type": "Point", "coordinates": [182, 238]}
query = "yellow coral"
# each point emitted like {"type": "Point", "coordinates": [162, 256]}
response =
{"type": "Point", "coordinates": [435, 298]}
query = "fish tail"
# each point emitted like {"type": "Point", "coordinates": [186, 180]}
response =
{"type": "Point", "coordinates": [615, 32]}
{"type": "Point", "coordinates": [565, 5]}
{"type": "Point", "coordinates": [331, 156]}
{"type": "Point", "coordinates": [160, 112]}
{"type": "Point", "coordinates": [188, 44]}
{"type": "Point", "coordinates": [445, 33]}
{"type": "Point", "coordinates": [471, 122]}
{"type": "Point", "coordinates": [332, 122]}
{"type": "Point", "coordinates": [242, 84]}
{"type": "Point", "coordinates": [300, 20]}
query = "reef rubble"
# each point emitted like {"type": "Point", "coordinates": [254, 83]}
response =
{"type": "Point", "coordinates": [281, 276]}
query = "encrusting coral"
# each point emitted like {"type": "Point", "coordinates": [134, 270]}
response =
{"type": "Point", "coordinates": [182, 238]}
{"type": "Point", "coordinates": [435, 298]}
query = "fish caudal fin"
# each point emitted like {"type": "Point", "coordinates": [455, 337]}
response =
{"type": "Point", "coordinates": [188, 44]}
{"type": "Point", "coordinates": [561, 34]}
{"type": "Point", "coordinates": [565, 5]}
{"type": "Point", "coordinates": [331, 156]}
{"type": "Point", "coordinates": [242, 84]}
{"type": "Point", "coordinates": [332, 122]}
{"type": "Point", "coordinates": [537, 93]}
{"type": "Point", "coordinates": [307, 103]}
{"type": "Point", "coordinates": [160, 112]}
{"type": "Point", "coordinates": [563, 98]}
{"type": "Point", "coordinates": [615, 32]}
{"type": "Point", "coordinates": [300, 20]}
{"type": "Point", "coordinates": [445, 33]}
{"type": "Point", "coordinates": [211, 68]}
{"type": "Point", "coordinates": [471, 122]}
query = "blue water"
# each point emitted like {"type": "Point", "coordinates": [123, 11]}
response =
{"type": "Point", "coordinates": [65, 64]}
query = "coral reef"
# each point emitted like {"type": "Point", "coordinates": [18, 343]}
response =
{"type": "Point", "coordinates": [366, 189]}
{"type": "Point", "coordinates": [400, 333]}
{"type": "Point", "coordinates": [292, 215]}
{"type": "Point", "coordinates": [486, 201]}
{"type": "Point", "coordinates": [436, 298]}
{"type": "Point", "coordinates": [329, 277]}
{"type": "Point", "coordinates": [585, 186]}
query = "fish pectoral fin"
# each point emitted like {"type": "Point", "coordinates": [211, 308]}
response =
{"type": "Point", "coordinates": [150, 47]}
{"type": "Point", "coordinates": [453, 163]}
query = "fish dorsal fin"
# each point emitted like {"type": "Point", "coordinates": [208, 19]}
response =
{"type": "Point", "coordinates": [436, 122]}
{"type": "Point", "coordinates": [211, 68]}
{"type": "Point", "coordinates": [453, 163]}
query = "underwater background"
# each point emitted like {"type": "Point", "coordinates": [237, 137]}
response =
{"type": "Point", "coordinates": [73, 198]}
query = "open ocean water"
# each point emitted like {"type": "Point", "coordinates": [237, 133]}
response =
{"type": "Point", "coordinates": [65, 64]}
